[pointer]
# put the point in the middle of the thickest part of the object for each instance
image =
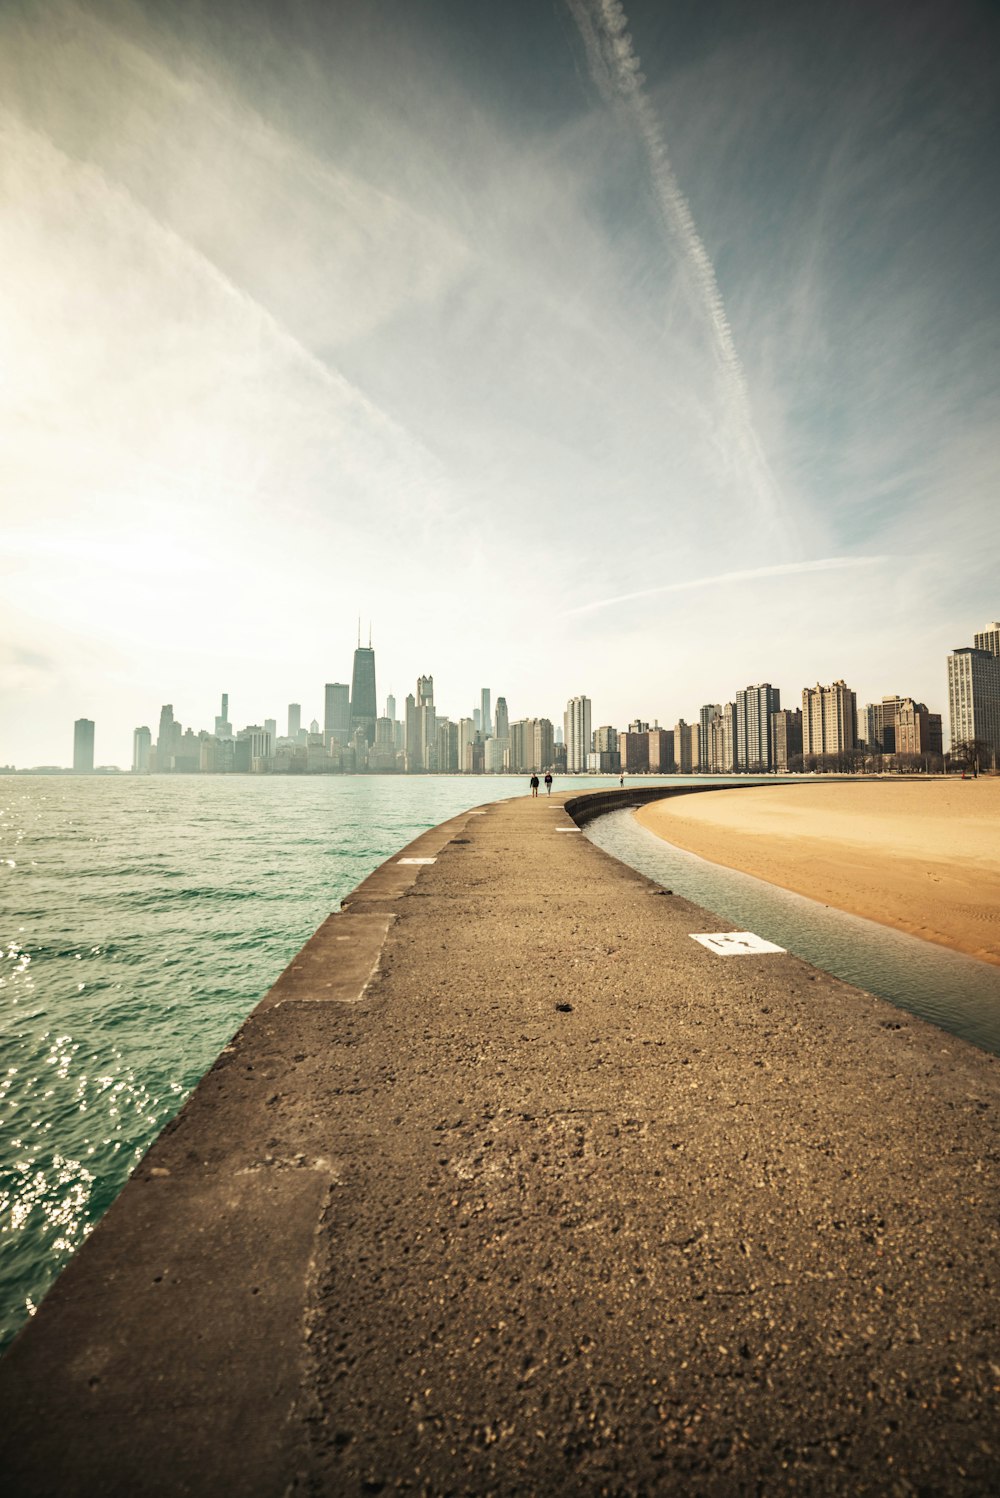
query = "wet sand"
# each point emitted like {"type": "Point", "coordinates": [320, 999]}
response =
{"type": "Point", "coordinates": [920, 855]}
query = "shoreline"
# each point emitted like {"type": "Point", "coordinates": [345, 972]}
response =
{"type": "Point", "coordinates": [919, 857]}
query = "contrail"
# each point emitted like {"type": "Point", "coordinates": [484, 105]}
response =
{"type": "Point", "coordinates": [616, 71]}
{"type": "Point", "coordinates": [752, 574]}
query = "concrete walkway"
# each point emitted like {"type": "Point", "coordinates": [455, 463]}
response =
{"type": "Point", "coordinates": [509, 1186]}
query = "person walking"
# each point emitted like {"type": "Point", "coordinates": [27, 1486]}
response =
{"type": "Point", "coordinates": [622, 781]}
{"type": "Point", "coordinates": [534, 785]}
{"type": "Point", "coordinates": [548, 782]}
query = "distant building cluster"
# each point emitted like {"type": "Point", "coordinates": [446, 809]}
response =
{"type": "Point", "coordinates": [752, 734]}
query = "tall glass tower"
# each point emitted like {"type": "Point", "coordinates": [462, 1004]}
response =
{"type": "Point", "coordinates": [83, 746]}
{"type": "Point", "coordinates": [364, 709]}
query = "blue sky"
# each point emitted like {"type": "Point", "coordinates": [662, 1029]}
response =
{"type": "Point", "coordinates": [646, 352]}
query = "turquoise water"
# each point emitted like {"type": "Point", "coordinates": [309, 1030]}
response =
{"type": "Point", "coordinates": [140, 921]}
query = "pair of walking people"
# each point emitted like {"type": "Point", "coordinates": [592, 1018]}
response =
{"type": "Point", "coordinates": [534, 783]}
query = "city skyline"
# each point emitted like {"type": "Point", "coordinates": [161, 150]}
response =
{"type": "Point", "coordinates": [642, 350]}
{"type": "Point", "coordinates": [750, 731]}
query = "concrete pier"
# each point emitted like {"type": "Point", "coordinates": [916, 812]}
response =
{"type": "Point", "coordinates": [510, 1186]}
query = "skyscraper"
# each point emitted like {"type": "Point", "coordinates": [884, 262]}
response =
{"type": "Point", "coordinates": [466, 736]}
{"type": "Point", "coordinates": [223, 727]}
{"type": "Point", "coordinates": [142, 741]}
{"type": "Point", "coordinates": [337, 713]}
{"type": "Point", "coordinates": [720, 750]}
{"type": "Point", "coordinates": [786, 737]}
{"type": "Point", "coordinates": [576, 724]}
{"type": "Point", "coordinates": [501, 728]}
{"type": "Point", "coordinates": [829, 719]}
{"type": "Point", "coordinates": [685, 747]}
{"type": "Point", "coordinates": [83, 746]}
{"type": "Point", "coordinates": [485, 713]}
{"type": "Point", "coordinates": [294, 719]}
{"type": "Point", "coordinates": [974, 700]}
{"type": "Point", "coordinates": [754, 706]}
{"type": "Point", "coordinates": [364, 703]}
{"type": "Point", "coordinates": [705, 716]}
{"type": "Point", "coordinates": [988, 639]}
{"type": "Point", "coordinates": [390, 708]}
{"type": "Point", "coordinates": [877, 724]}
{"type": "Point", "coordinates": [661, 751]}
{"type": "Point", "coordinates": [168, 736]}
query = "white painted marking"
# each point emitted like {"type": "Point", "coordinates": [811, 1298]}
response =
{"type": "Point", "coordinates": [569, 829]}
{"type": "Point", "coordinates": [417, 860]}
{"type": "Point", "coordinates": [734, 943]}
{"type": "Point", "coordinates": [477, 814]}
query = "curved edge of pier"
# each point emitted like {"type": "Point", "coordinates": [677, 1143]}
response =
{"type": "Point", "coordinates": [508, 1185]}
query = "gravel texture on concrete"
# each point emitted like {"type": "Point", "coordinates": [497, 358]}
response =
{"type": "Point", "coordinates": [509, 1186]}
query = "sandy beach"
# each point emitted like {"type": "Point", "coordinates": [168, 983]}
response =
{"type": "Point", "coordinates": [923, 856]}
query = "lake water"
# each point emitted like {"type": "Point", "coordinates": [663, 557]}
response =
{"type": "Point", "coordinates": [142, 918]}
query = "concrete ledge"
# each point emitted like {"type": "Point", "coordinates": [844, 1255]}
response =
{"type": "Point", "coordinates": [519, 1189]}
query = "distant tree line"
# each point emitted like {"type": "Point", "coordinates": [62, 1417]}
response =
{"type": "Point", "coordinates": [862, 761]}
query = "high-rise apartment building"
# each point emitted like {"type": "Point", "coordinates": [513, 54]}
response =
{"type": "Point", "coordinates": [720, 749]}
{"type": "Point", "coordinates": [485, 713]}
{"type": "Point", "coordinates": [661, 751]}
{"type": "Point", "coordinates": [142, 742]}
{"type": "Point", "coordinates": [685, 747]}
{"type": "Point", "coordinates": [495, 753]}
{"type": "Point", "coordinates": [336, 714]}
{"type": "Point", "coordinates": [974, 700]}
{"type": "Point", "coordinates": [544, 743]}
{"type": "Point", "coordinates": [706, 715]}
{"type": "Point", "coordinates": [532, 742]}
{"type": "Point", "coordinates": [445, 745]}
{"type": "Point", "coordinates": [364, 704]}
{"type": "Point", "coordinates": [786, 737]}
{"type": "Point", "coordinates": [633, 751]}
{"type": "Point", "coordinates": [294, 719]}
{"type": "Point", "coordinates": [877, 724]}
{"type": "Point", "coordinates": [754, 707]}
{"type": "Point", "coordinates": [988, 639]}
{"type": "Point", "coordinates": [576, 727]}
{"type": "Point", "coordinates": [382, 755]}
{"type": "Point", "coordinates": [829, 716]}
{"type": "Point", "coordinates": [83, 746]}
{"type": "Point", "coordinates": [421, 727]}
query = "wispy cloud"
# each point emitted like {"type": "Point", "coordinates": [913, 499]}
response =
{"type": "Point", "coordinates": [617, 72]}
{"type": "Point", "coordinates": [750, 574]}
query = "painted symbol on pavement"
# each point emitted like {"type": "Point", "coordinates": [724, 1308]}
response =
{"type": "Point", "coordinates": [734, 943]}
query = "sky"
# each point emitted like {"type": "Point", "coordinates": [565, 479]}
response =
{"type": "Point", "coordinates": [643, 351]}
